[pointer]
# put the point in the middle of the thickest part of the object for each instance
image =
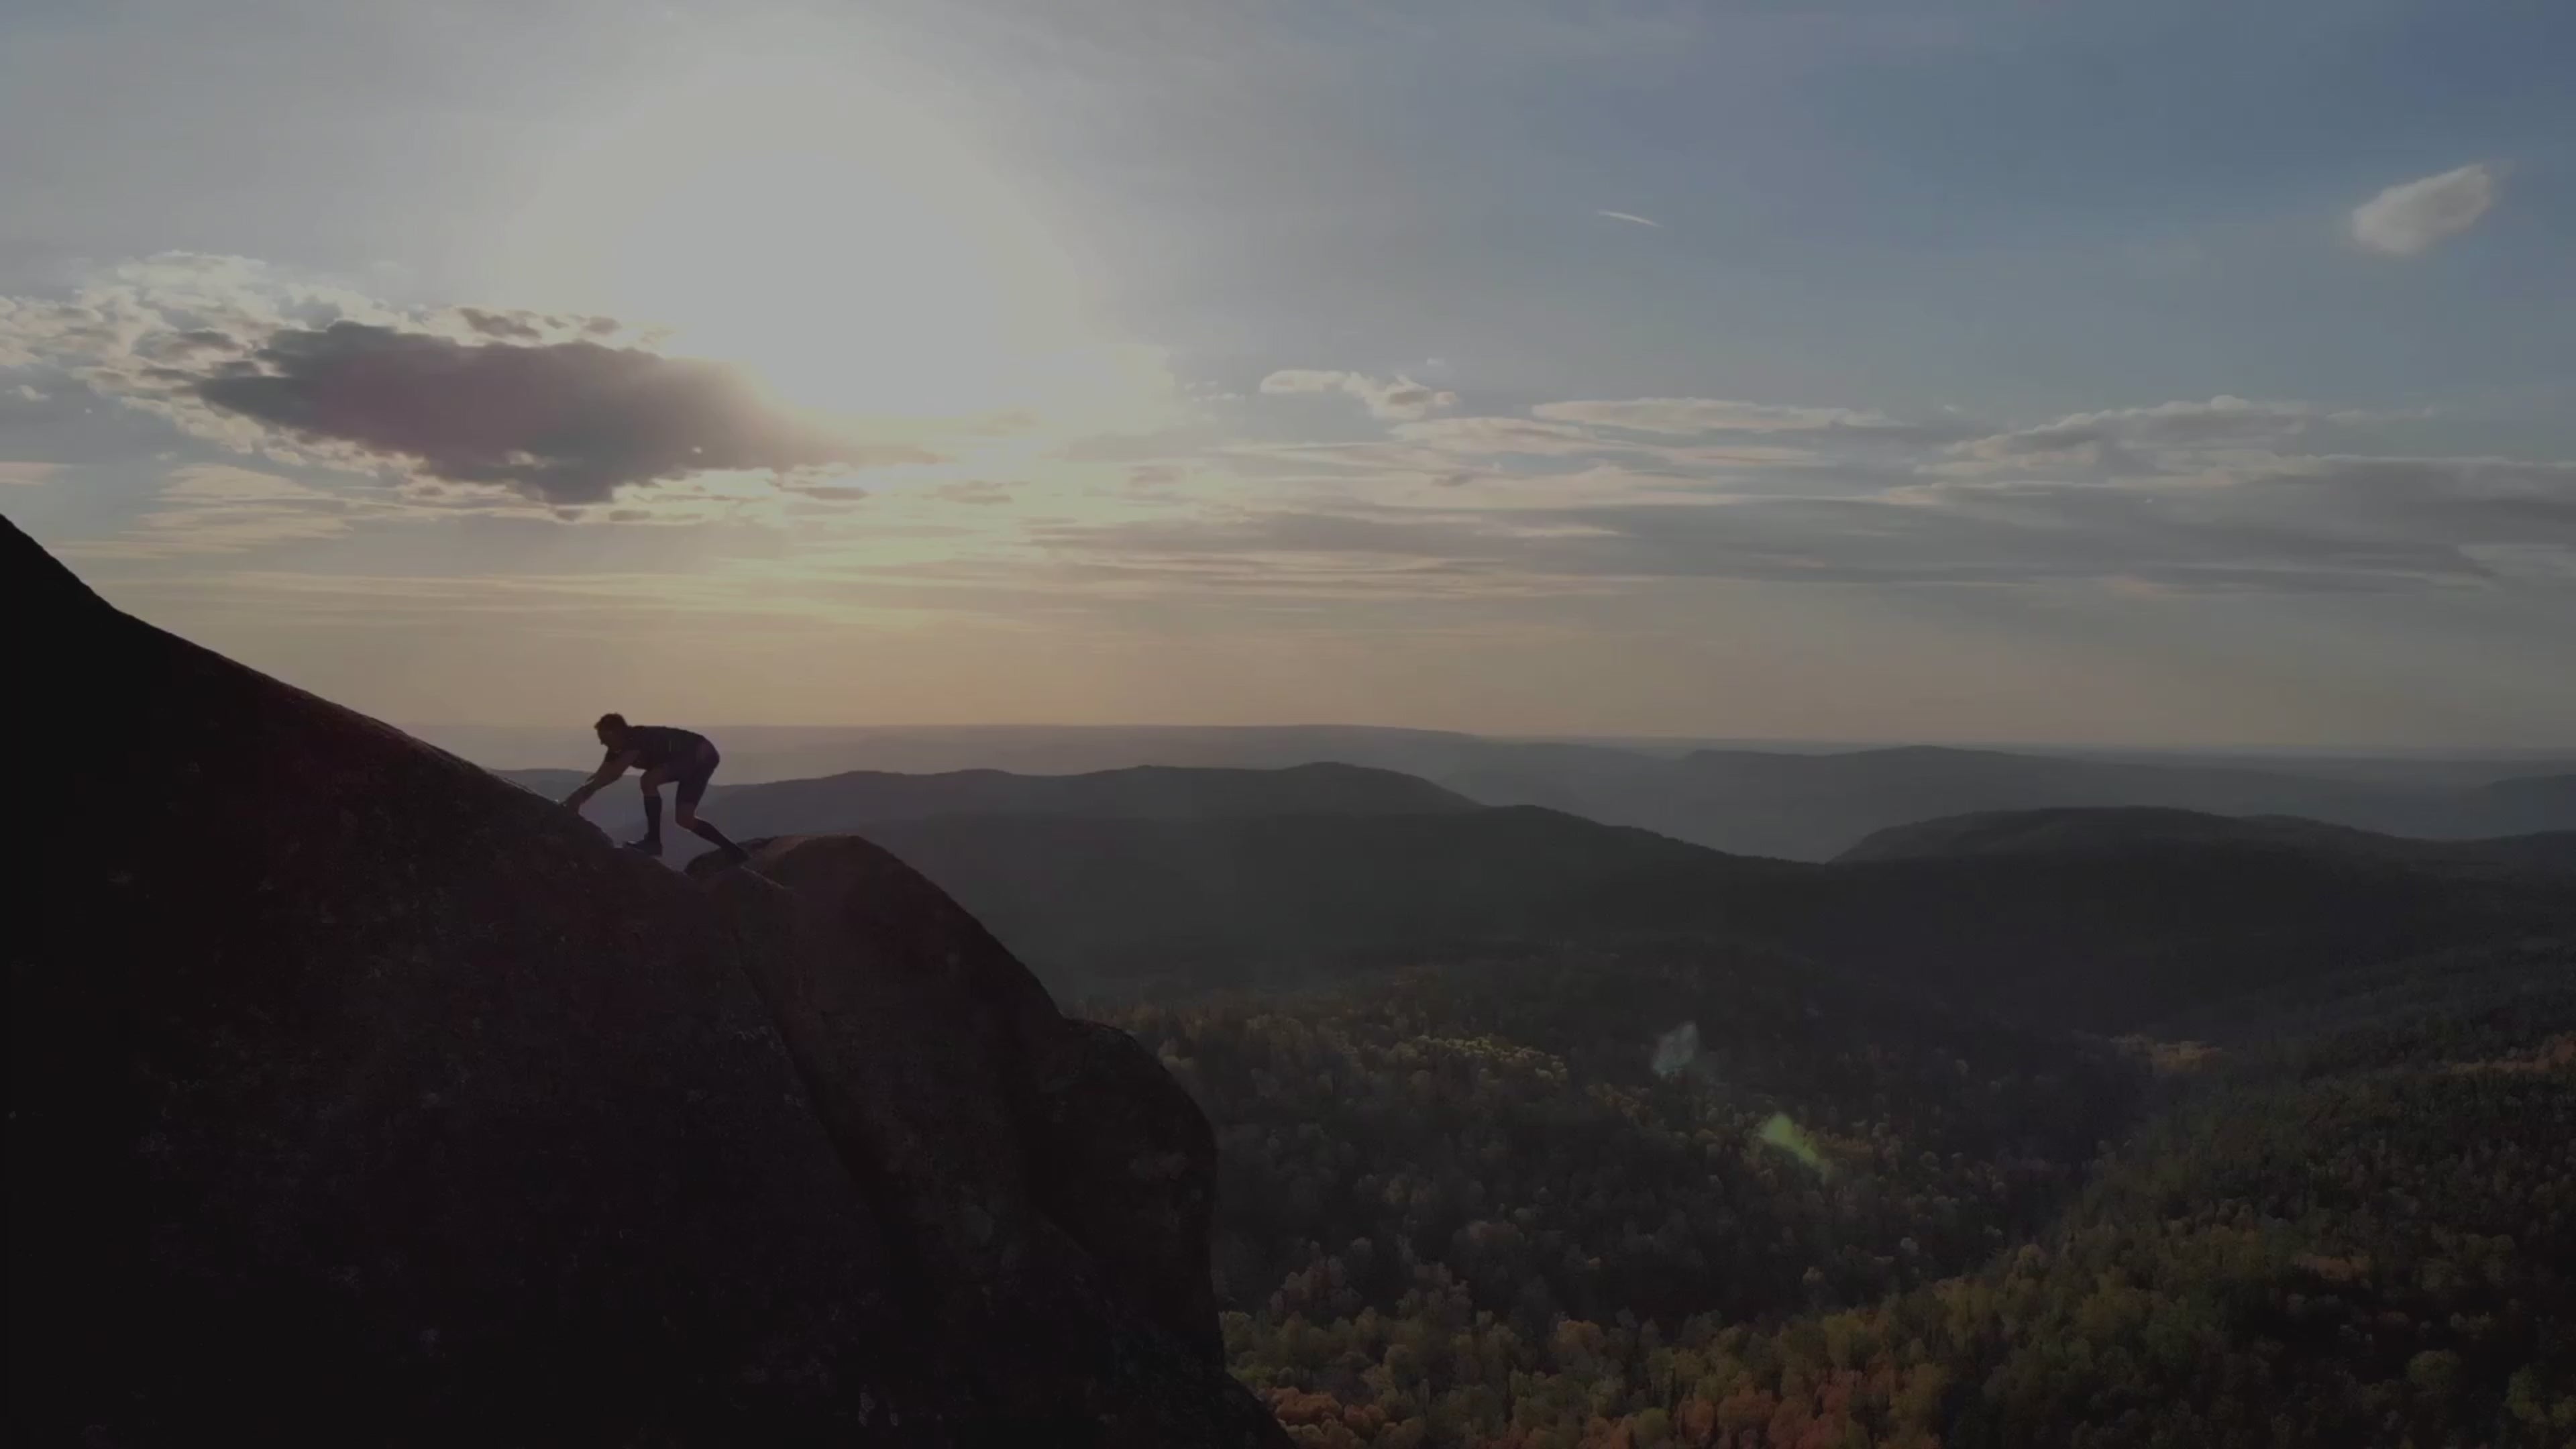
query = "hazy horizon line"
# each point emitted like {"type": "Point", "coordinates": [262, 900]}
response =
{"type": "Point", "coordinates": [1784, 743]}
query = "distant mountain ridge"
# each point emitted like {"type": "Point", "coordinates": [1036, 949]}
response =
{"type": "Point", "coordinates": [1794, 806]}
{"type": "Point", "coordinates": [865, 798]}
{"type": "Point", "coordinates": [1201, 878]}
{"type": "Point", "coordinates": [2103, 937]}
{"type": "Point", "coordinates": [2065, 831]}
{"type": "Point", "coordinates": [2529, 803]}
{"type": "Point", "coordinates": [1816, 806]}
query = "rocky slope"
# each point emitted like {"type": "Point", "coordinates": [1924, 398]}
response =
{"type": "Point", "coordinates": [358, 1096]}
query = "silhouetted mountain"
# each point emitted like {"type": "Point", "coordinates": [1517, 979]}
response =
{"type": "Point", "coordinates": [1794, 806]}
{"type": "Point", "coordinates": [1193, 878]}
{"type": "Point", "coordinates": [1224, 902]}
{"type": "Point", "coordinates": [356, 1096]}
{"type": "Point", "coordinates": [556, 784]}
{"type": "Point", "coordinates": [765, 753]}
{"type": "Point", "coordinates": [2527, 804]}
{"type": "Point", "coordinates": [2546, 850]}
{"type": "Point", "coordinates": [2464, 986]}
{"type": "Point", "coordinates": [2418, 769]}
{"type": "Point", "coordinates": [2116, 937]}
{"type": "Point", "coordinates": [2061, 832]}
{"type": "Point", "coordinates": [2103, 937]}
{"type": "Point", "coordinates": [866, 798]}
{"type": "Point", "coordinates": [1815, 806]}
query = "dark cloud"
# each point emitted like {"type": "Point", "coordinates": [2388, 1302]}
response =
{"type": "Point", "coordinates": [507, 326]}
{"type": "Point", "coordinates": [561, 422]}
{"type": "Point", "coordinates": [500, 326]}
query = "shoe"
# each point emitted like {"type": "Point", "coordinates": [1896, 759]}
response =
{"type": "Point", "coordinates": [650, 849]}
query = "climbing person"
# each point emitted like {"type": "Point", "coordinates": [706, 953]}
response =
{"type": "Point", "coordinates": [664, 754]}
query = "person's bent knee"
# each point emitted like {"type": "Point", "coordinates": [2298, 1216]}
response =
{"type": "Point", "coordinates": [685, 816]}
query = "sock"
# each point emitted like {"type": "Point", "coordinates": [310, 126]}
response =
{"type": "Point", "coordinates": [706, 831]}
{"type": "Point", "coordinates": [652, 815]}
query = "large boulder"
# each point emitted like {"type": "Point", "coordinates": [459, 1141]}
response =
{"type": "Point", "coordinates": [1089, 1132]}
{"type": "Point", "coordinates": [1042, 1177]}
{"type": "Point", "coordinates": [358, 1096]}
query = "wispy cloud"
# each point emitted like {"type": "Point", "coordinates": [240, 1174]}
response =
{"type": "Point", "coordinates": [214, 508]}
{"type": "Point", "coordinates": [1705, 415]}
{"type": "Point", "coordinates": [1394, 398]}
{"type": "Point", "coordinates": [2303, 525]}
{"type": "Point", "coordinates": [2170, 498]}
{"type": "Point", "coordinates": [2118, 440]}
{"type": "Point", "coordinates": [1490, 437]}
{"type": "Point", "coordinates": [27, 475]}
{"type": "Point", "coordinates": [1630, 216]}
{"type": "Point", "coordinates": [2411, 218]}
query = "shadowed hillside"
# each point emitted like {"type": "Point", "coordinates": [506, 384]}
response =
{"type": "Point", "coordinates": [2033, 833]}
{"type": "Point", "coordinates": [2529, 803]}
{"type": "Point", "coordinates": [1814, 807]}
{"type": "Point", "coordinates": [2100, 938]}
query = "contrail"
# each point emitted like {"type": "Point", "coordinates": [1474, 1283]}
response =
{"type": "Point", "coordinates": [1631, 216]}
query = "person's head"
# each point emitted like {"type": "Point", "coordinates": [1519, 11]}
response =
{"type": "Point", "coordinates": [611, 728]}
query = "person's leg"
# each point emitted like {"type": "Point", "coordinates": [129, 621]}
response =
{"type": "Point", "coordinates": [693, 787]}
{"type": "Point", "coordinates": [651, 844]}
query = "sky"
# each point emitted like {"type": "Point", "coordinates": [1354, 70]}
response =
{"type": "Point", "coordinates": [2187, 374]}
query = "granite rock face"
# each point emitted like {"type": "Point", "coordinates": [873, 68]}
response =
{"type": "Point", "coordinates": [1045, 1179]}
{"type": "Point", "coordinates": [356, 1095]}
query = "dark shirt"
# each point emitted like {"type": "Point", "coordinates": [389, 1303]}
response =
{"type": "Point", "coordinates": [660, 747]}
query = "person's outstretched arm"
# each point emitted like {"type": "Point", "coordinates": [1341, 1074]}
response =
{"type": "Point", "coordinates": [616, 764]}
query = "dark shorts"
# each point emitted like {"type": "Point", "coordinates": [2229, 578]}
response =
{"type": "Point", "coordinates": [691, 775]}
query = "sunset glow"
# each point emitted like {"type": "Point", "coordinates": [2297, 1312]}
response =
{"type": "Point", "coordinates": [835, 244]}
{"type": "Point", "coordinates": [1886, 372]}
